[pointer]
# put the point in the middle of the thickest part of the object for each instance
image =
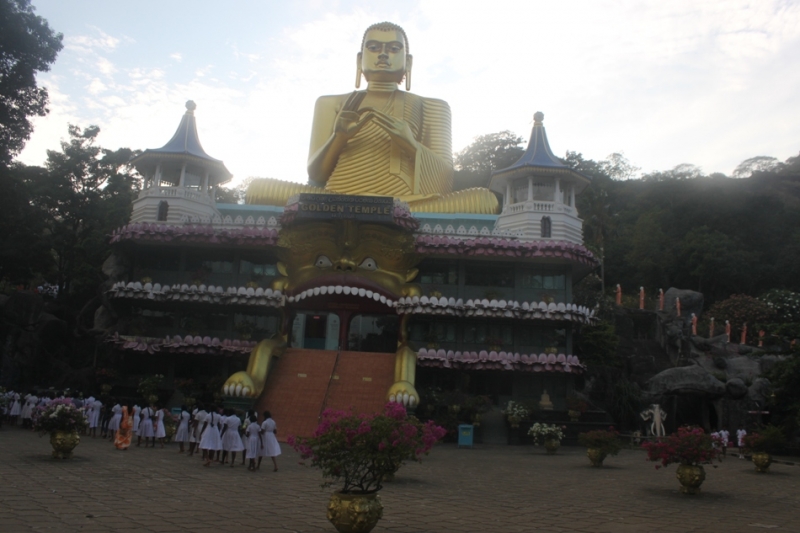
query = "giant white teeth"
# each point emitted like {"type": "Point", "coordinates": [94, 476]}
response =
{"type": "Point", "coordinates": [331, 289]}
{"type": "Point", "coordinates": [389, 303]}
{"type": "Point", "coordinates": [369, 294]}
{"type": "Point", "coordinates": [323, 290]}
{"type": "Point", "coordinates": [362, 292]}
{"type": "Point", "coordinates": [383, 299]}
{"type": "Point", "coordinates": [346, 290]}
{"type": "Point", "coordinates": [316, 291]}
{"type": "Point", "coordinates": [376, 296]}
{"type": "Point", "coordinates": [338, 289]}
{"type": "Point", "coordinates": [290, 298]}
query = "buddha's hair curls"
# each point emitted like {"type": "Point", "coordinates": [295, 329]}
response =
{"type": "Point", "coordinates": [386, 26]}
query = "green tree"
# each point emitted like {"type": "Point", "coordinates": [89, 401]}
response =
{"type": "Point", "coordinates": [475, 163]}
{"type": "Point", "coordinates": [27, 46]}
{"type": "Point", "coordinates": [85, 193]}
{"type": "Point", "coordinates": [651, 251]}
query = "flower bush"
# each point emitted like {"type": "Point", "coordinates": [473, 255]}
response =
{"type": "Point", "coordinates": [768, 440]}
{"type": "Point", "coordinates": [605, 440]}
{"type": "Point", "coordinates": [516, 410]}
{"type": "Point", "coordinates": [543, 432]}
{"type": "Point", "coordinates": [687, 446]}
{"type": "Point", "coordinates": [359, 451]}
{"type": "Point", "coordinates": [148, 387]}
{"type": "Point", "coordinates": [59, 415]}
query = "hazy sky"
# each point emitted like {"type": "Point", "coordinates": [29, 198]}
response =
{"type": "Point", "coordinates": [685, 81]}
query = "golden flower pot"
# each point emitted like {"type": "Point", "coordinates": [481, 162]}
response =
{"type": "Point", "coordinates": [63, 442]}
{"type": "Point", "coordinates": [552, 445]}
{"type": "Point", "coordinates": [690, 477]}
{"type": "Point", "coordinates": [354, 513]}
{"type": "Point", "coordinates": [574, 416]}
{"type": "Point", "coordinates": [596, 456]}
{"type": "Point", "coordinates": [762, 460]}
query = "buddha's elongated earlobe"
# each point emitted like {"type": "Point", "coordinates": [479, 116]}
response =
{"type": "Point", "coordinates": [409, 62]}
{"type": "Point", "coordinates": [358, 70]}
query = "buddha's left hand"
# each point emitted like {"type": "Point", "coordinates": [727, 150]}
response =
{"type": "Point", "coordinates": [398, 129]}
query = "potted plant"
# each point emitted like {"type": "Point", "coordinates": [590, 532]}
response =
{"type": "Point", "coordinates": [762, 444]}
{"type": "Point", "coordinates": [63, 421]}
{"type": "Point", "coordinates": [599, 444]}
{"type": "Point", "coordinates": [575, 407]}
{"type": "Point", "coordinates": [691, 448]}
{"type": "Point", "coordinates": [549, 434]}
{"type": "Point", "coordinates": [358, 452]}
{"type": "Point", "coordinates": [515, 413]}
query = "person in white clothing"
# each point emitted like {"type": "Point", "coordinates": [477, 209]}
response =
{"type": "Point", "coordinates": [741, 433]}
{"type": "Point", "coordinates": [137, 419]}
{"type": "Point", "coordinates": [182, 433]}
{"type": "Point", "coordinates": [28, 409]}
{"type": "Point", "coordinates": [253, 434]}
{"type": "Point", "coordinates": [725, 435]}
{"type": "Point", "coordinates": [231, 440]}
{"type": "Point", "coordinates": [94, 421]}
{"type": "Point", "coordinates": [146, 426]}
{"type": "Point", "coordinates": [16, 409]}
{"type": "Point", "coordinates": [210, 441]}
{"type": "Point", "coordinates": [160, 430]}
{"type": "Point", "coordinates": [116, 418]}
{"type": "Point", "coordinates": [198, 423]}
{"type": "Point", "coordinates": [269, 441]}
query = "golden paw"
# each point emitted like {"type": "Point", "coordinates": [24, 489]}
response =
{"type": "Point", "coordinates": [240, 384]}
{"type": "Point", "coordinates": [403, 392]}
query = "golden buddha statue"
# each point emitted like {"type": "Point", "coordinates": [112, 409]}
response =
{"type": "Point", "coordinates": [382, 141]}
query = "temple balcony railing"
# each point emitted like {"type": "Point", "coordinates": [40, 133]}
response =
{"type": "Point", "coordinates": [177, 192]}
{"type": "Point", "coordinates": [538, 206]}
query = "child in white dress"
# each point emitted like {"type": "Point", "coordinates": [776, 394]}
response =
{"type": "Point", "coordinates": [28, 409]}
{"type": "Point", "coordinates": [231, 441]}
{"type": "Point", "coordinates": [137, 418]}
{"type": "Point", "coordinates": [160, 430]}
{"type": "Point", "coordinates": [253, 434]}
{"type": "Point", "coordinates": [198, 423]}
{"type": "Point", "coordinates": [16, 409]}
{"type": "Point", "coordinates": [116, 418]}
{"type": "Point", "coordinates": [182, 433]}
{"type": "Point", "coordinates": [210, 442]}
{"type": "Point", "coordinates": [146, 427]}
{"type": "Point", "coordinates": [269, 442]}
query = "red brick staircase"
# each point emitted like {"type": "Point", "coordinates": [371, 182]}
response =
{"type": "Point", "coordinates": [302, 383]}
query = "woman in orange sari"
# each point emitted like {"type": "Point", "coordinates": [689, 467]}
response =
{"type": "Point", "coordinates": [123, 438]}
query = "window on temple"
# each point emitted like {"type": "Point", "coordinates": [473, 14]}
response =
{"type": "Point", "coordinates": [147, 263]}
{"type": "Point", "coordinates": [373, 333]}
{"type": "Point", "coordinates": [257, 270]}
{"type": "Point", "coordinates": [438, 273]}
{"type": "Point", "coordinates": [500, 335]}
{"type": "Point", "coordinates": [254, 327]}
{"type": "Point", "coordinates": [547, 228]}
{"type": "Point", "coordinates": [163, 211]}
{"type": "Point", "coordinates": [489, 275]}
{"type": "Point", "coordinates": [531, 280]}
{"type": "Point", "coordinates": [432, 332]}
{"type": "Point", "coordinates": [151, 323]}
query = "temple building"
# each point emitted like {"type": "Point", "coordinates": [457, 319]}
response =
{"type": "Point", "coordinates": [374, 281]}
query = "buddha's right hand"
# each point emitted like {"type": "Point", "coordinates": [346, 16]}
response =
{"type": "Point", "coordinates": [347, 123]}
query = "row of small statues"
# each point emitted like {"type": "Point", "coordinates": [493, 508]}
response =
{"type": "Point", "coordinates": [728, 329]}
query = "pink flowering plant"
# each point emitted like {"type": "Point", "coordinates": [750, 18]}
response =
{"type": "Point", "coordinates": [59, 415]}
{"type": "Point", "coordinates": [359, 451]}
{"type": "Point", "coordinates": [687, 446]}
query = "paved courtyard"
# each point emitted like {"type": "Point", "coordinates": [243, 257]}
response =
{"type": "Point", "coordinates": [486, 489]}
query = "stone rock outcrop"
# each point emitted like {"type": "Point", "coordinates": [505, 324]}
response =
{"type": "Point", "coordinates": [685, 380]}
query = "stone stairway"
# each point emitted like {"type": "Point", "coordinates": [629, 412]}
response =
{"type": "Point", "coordinates": [302, 383]}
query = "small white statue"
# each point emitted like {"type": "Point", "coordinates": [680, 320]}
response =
{"type": "Point", "coordinates": [657, 417]}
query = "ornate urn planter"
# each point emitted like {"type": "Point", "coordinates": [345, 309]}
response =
{"type": "Point", "coordinates": [762, 460]}
{"type": "Point", "coordinates": [63, 443]}
{"type": "Point", "coordinates": [354, 513]}
{"type": "Point", "coordinates": [574, 416]}
{"type": "Point", "coordinates": [596, 456]}
{"type": "Point", "coordinates": [552, 445]}
{"type": "Point", "coordinates": [690, 478]}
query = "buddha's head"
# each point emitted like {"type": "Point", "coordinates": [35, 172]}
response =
{"type": "Point", "coordinates": [384, 54]}
{"type": "Point", "coordinates": [371, 260]}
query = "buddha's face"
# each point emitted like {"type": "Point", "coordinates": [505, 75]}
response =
{"type": "Point", "coordinates": [373, 261]}
{"type": "Point", "coordinates": [383, 57]}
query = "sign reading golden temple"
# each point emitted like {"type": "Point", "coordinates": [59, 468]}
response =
{"type": "Point", "coordinates": [342, 206]}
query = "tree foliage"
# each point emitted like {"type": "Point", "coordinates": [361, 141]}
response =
{"type": "Point", "coordinates": [475, 163]}
{"type": "Point", "coordinates": [27, 46]}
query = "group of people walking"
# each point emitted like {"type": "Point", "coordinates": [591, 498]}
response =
{"type": "Point", "coordinates": [216, 434]}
